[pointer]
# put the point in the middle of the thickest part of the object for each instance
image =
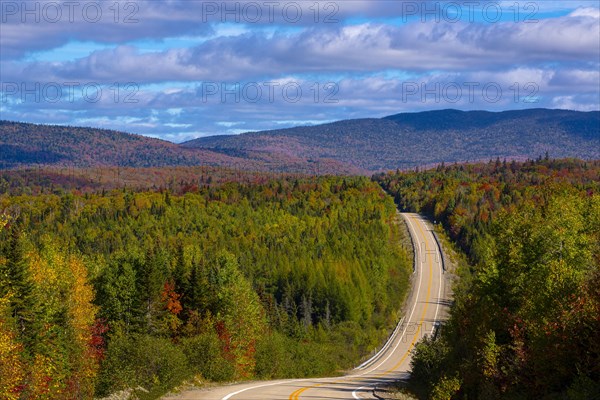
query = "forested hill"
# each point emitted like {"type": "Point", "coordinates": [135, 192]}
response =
{"type": "Point", "coordinates": [288, 278]}
{"type": "Point", "coordinates": [31, 145]}
{"type": "Point", "coordinates": [358, 146]}
{"type": "Point", "coordinates": [23, 144]}
{"type": "Point", "coordinates": [413, 139]}
{"type": "Point", "coordinates": [524, 324]}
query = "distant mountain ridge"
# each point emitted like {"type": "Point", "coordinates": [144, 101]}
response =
{"type": "Point", "coordinates": [345, 147]}
{"type": "Point", "coordinates": [25, 145]}
{"type": "Point", "coordinates": [411, 139]}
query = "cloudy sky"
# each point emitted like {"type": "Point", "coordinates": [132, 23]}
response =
{"type": "Point", "coordinates": [180, 69]}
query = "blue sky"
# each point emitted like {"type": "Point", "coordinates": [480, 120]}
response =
{"type": "Point", "coordinates": [180, 69]}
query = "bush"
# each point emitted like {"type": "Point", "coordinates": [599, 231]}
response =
{"type": "Point", "coordinates": [148, 365]}
{"type": "Point", "coordinates": [428, 365]}
{"type": "Point", "coordinates": [204, 356]}
{"type": "Point", "coordinates": [274, 357]}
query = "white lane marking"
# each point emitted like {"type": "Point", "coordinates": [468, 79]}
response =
{"type": "Point", "coordinates": [437, 307]}
{"type": "Point", "coordinates": [409, 318]}
{"type": "Point", "coordinates": [414, 240]}
{"type": "Point", "coordinates": [356, 396]}
{"type": "Point", "coordinates": [385, 347]}
{"type": "Point", "coordinates": [438, 256]}
{"type": "Point", "coordinates": [230, 395]}
{"type": "Point", "coordinates": [374, 368]}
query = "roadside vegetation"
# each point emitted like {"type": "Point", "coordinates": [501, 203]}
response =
{"type": "Point", "coordinates": [525, 320]}
{"type": "Point", "coordinates": [141, 290]}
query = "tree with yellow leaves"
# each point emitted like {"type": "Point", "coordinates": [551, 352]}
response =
{"type": "Point", "coordinates": [12, 369]}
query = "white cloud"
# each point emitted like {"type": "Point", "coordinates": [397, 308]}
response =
{"type": "Point", "coordinates": [586, 12]}
{"type": "Point", "coordinates": [572, 103]}
{"type": "Point", "coordinates": [371, 60]}
{"type": "Point", "coordinates": [356, 48]}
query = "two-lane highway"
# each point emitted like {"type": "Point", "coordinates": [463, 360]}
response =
{"type": "Point", "coordinates": [423, 310]}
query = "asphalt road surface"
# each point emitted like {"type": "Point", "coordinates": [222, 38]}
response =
{"type": "Point", "coordinates": [424, 308]}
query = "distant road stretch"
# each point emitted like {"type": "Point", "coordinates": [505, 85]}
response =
{"type": "Point", "coordinates": [424, 308]}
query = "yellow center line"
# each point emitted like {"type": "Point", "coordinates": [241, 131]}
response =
{"type": "Point", "coordinates": [427, 297]}
{"type": "Point", "coordinates": [296, 394]}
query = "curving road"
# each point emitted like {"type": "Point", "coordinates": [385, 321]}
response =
{"type": "Point", "coordinates": [424, 308]}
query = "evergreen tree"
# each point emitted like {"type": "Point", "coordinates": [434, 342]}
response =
{"type": "Point", "coordinates": [116, 293]}
{"type": "Point", "coordinates": [15, 281]}
{"type": "Point", "coordinates": [151, 276]}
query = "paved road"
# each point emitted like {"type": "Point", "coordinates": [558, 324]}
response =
{"type": "Point", "coordinates": [425, 306]}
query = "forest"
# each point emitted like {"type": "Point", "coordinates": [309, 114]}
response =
{"type": "Point", "coordinates": [525, 318]}
{"type": "Point", "coordinates": [141, 289]}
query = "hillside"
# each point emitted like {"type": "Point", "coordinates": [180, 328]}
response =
{"type": "Point", "coordinates": [524, 322]}
{"type": "Point", "coordinates": [411, 139]}
{"type": "Point", "coordinates": [24, 144]}
{"type": "Point", "coordinates": [359, 146]}
{"type": "Point", "coordinates": [29, 145]}
{"type": "Point", "coordinates": [236, 282]}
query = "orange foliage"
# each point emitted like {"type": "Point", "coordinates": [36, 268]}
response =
{"type": "Point", "coordinates": [171, 298]}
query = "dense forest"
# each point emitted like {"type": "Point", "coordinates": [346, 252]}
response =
{"type": "Point", "coordinates": [525, 322]}
{"type": "Point", "coordinates": [140, 290]}
{"type": "Point", "coordinates": [177, 180]}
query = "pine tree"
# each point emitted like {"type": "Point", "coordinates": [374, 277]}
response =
{"type": "Point", "coordinates": [197, 293]}
{"type": "Point", "coordinates": [15, 281]}
{"type": "Point", "coordinates": [116, 292]}
{"type": "Point", "coordinates": [306, 310]}
{"type": "Point", "coordinates": [180, 276]}
{"type": "Point", "coordinates": [150, 277]}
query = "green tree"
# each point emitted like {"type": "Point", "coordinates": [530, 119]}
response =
{"type": "Point", "coordinates": [15, 282]}
{"type": "Point", "coordinates": [241, 319]}
{"type": "Point", "coordinates": [116, 293]}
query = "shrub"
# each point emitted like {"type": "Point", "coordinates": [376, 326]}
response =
{"type": "Point", "coordinates": [204, 355]}
{"type": "Point", "coordinates": [148, 365]}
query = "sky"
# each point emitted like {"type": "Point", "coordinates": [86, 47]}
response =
{"type": "Point", "coordinates": [182, 69]}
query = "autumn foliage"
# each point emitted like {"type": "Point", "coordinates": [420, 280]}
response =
{"type": "Point", "coordinates": [46, 322]}
{"type": "Point", "coordinates": [187, 273]}
{"type": "Point", "coordinates": [525, 321]}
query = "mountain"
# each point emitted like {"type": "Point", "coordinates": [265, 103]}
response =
{"type": "Point", "coordinates": [23, 144]}
{"type": "Point", "coordinates": [360, 146]}
{"type": "Point", "coordinates": [412, 139]}
{"type": "Point", "coordinates": [28, 145]}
